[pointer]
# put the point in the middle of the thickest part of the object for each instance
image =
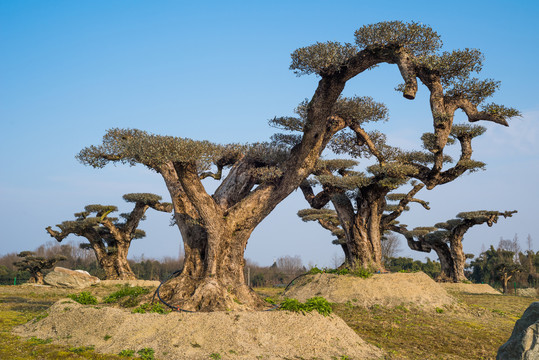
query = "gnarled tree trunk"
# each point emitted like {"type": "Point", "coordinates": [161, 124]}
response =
{"type": "Point", "coordinates": [212, 277]}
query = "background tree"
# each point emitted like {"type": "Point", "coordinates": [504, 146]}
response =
{"type": "Point", "coordinates": [110, 237]}
{"type": "Point", "coordinates": [215, 228]}
{"type": "Point", "coordinates": [446, 239]}
{"type": "Point", "coordinates": [35, 265]}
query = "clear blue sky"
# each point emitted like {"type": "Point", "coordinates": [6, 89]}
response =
{"type": "Point", "coordinates": [218, 70]}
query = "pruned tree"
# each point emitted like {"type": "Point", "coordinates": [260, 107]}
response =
{"type": "Point", "coordinates": [110, 237]}
{"type": "Point", "coordinates": [35, 265]}
{"type": "Point", "coordinates": [215, 228]}
{"type": "Point", "coordinates": [446, 239]}
{"type": "Point", "coordinates": [359, 198]}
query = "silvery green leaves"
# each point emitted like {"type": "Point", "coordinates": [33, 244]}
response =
{"type": "Point", "coordinates": [134, 146]}
{"type": "Point", "coordinates": [419, 39]}
{"type": "Point", "coordinates": [321, 58]}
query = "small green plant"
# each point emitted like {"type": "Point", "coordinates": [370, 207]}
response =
{"type": "Point", "coordinates": [151, 308]}
{"type": "Point", "coordinates": [215, 356]}
{"type": "Point", "coordinates": [315, 270]}
{"type": "Point", "coordinates": [127, 353]}
{"type": "Point", "coordinates": [439, 310]}
{"type": "Point", "coordinates": [270, 301]}
{"type": "Point", "coordinates": [292, 305]}
{"type": "Point", "coordinates": [81, 349]}
{"type": "Point", "coordinates": [195, 345]}
{"type": "Point", "coordinates": [37, 341]}
{"type": "Point", "coordinates": [146, 353]}
{"type": "Point", "coordinates": [317, 303]}
{"type": "Point", "coordinates": [362, 273]}
{"type": "Point", "coordinates": [131, 293]}
{"type": "Point", "coordinates": [106, 337]}
{"type": "Point", "coordinates": [84, 298]}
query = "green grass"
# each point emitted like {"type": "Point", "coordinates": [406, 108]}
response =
{"type": "Point", "coordinates": [127, 296]}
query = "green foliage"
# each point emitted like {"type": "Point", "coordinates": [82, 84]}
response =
{"type": "Point", "coordinates": [315, 270]}
{"type": "Point", "coordinates": [37, 341]}
{"type": "Point", "coordinates": [81, 349]}
{"type": "Point", "coordinates": [418, 38]}
{"type": "Point", "coordinates": [127, 353]}
{"type": "Point", "coordinates": [317, 303]}
{"type": "Point", "coordinates": [84, 298]}
{"type": "Point", "coordinates": [403, 264]}
{"type": "Point", "coordinates": [362, 272]}
{"type": "Point", "coordinates": [439, 310]}
{"type": "Point", "coordinates": [321, 58]}
{"type": "Point", "coordinates": [126, 291]}
{"type": "Point", "coordinates": [270, 300]}
{"type": "Point", "coordinates": [151, 308]}
{"type": "Point", "coordinates": [144, 198]}
{"type": "Point", "coordinates": [146, 353]}
{"type": "Point", "coordinates": [215, 356]}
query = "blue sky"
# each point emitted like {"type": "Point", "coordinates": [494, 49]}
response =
{"type": "Point", "coordinates": [218, 70]}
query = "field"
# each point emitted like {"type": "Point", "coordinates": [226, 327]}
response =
{"type": "Point", "coordinates": [472, 330]}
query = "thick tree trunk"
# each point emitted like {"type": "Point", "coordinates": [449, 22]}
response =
{"type": "Point", "coordinates": [213, 276]}
{"type": "Point", "coordinates": [446, 262]}
{"type": "Point", "coordinates": [459, 260]}
{"type": "Point", "coordinates": [37, 278]}
{"type": "Point", "coordinates": [121, 265]}
{"type": "Point", "coordinates": [363, 235]}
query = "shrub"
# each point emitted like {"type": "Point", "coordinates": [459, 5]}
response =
{"type": "Point", "coordinates": [84, 298]}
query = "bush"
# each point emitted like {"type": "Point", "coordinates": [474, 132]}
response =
{"type": "Point", "coordinates": [84, 298]}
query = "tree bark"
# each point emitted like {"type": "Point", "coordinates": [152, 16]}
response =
{"type": "Point", "coordinates": [363, 229]}
{"type": "Point", "coordinates": [213, 278]}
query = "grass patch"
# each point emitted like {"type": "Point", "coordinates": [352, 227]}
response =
{"type": "Point", "coordinates": [317, 303]}
{"type": "Point", "coordinates": [127, 296]}
{"type": "Point", "coordinates": [151, 308]}
{"type": "Point", "coordinates": [84, 298]}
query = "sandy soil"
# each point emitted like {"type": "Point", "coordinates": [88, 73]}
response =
{"type": "Point", "coordinates": [470, 288]}
{"type": "Point", "coordinates": [415, 289]}
{"type": "Point", "coordinates": [233, 335]}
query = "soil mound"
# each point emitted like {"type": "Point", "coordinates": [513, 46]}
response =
{"type": "Point", "coordinates": [470, 288]}
{"type": "Point", "coordinates": [390, 290]}
{"type": "Point", "coordinates": [232, 335]}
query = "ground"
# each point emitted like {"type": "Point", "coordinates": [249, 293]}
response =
{"type": "Point", "coordinates": [473, 329]}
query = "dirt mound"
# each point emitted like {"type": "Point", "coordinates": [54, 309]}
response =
{"type": "Point", "coordinates": [470, 288]}
{"type": "Point", "coordinates": [232, 335]}
{"type": "Point", "coordinates": [390, 290]}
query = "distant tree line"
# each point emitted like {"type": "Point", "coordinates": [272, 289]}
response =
{"type": "Point", "coordinates": [84, 259]}
{"type": "Point", "coordinates": [506, 266]}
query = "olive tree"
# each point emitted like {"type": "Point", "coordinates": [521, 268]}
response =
{"type": "Point", "coordinates": [36, 264]}
{"type": "Point", "coordinates": [359, 198]}
{"type": "Point", "coordinates": [445, 239]}
{"type": "Point", "coordinates": [215, 228]}
{"type": "Point", "coordinates": [110, 237]}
